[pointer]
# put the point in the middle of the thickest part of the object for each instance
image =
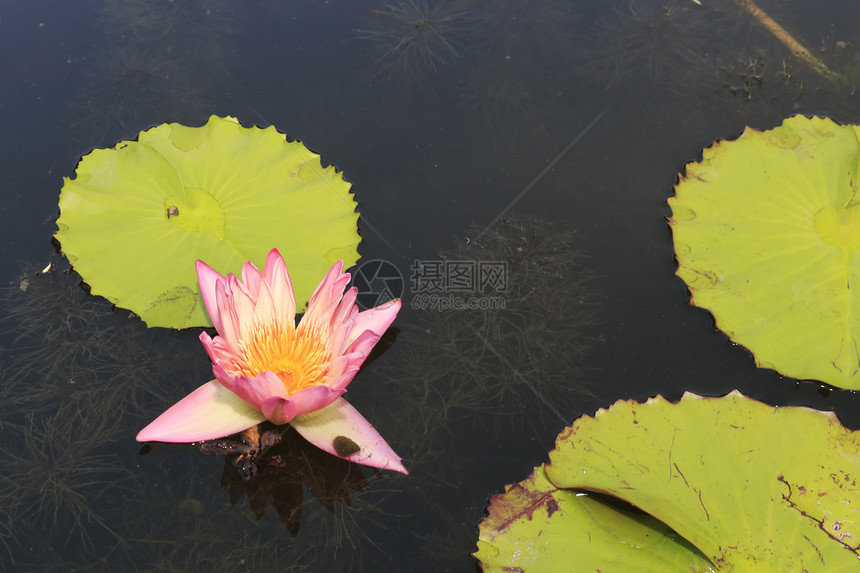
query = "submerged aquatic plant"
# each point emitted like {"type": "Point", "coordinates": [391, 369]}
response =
{"type": "Point", "coordinates": [652, 44]}
{"type": "Point", "coordinates": [266, 367]}
{"type": "Point", "coordinates": [129, 87]}
{"type": "Point", "coordinates": [69, 349]}
{"type": "Point", "coordinates": [413, 39]}
{"type": "Point", "coordinates": [652, 39]}
{"type": "Point", "coordinates": [498, 367]}
{"type": "Point", "coordinates": [55, 471]}
{"type": "Point", "coordinates": [531, 348]}
{"type": "Point", "coordinates": [510, 103]}
{"type": "Point", "coordinates": [157, 60]}
{"type": "Point", "coordinates": [529, 30]}
{"type": "Point", "coordinates": [198, 25]}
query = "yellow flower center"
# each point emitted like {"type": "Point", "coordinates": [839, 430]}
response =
{"type": "Point", "coordinates": [300, 358]}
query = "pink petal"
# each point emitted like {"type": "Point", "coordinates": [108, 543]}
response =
{"type": "Point", "coordinates": [243, 303]}
{"type": "Point", "coordinates": [280, 410]}
{"type": "Point", "coordinates": [281, 288]}
{"type": "Point", "coordinates": [227, 315]}
{"type": "Point", "coordinates": [343, 369]}
{"type": "Point", "coordinates": [251, 277]}
{"type": "Point", "coordinates": [217, 348]}
{"type": "Point", "coordinates": [341, 322]}
{"type": "Point", "coordinates": [207, 413]}
{"type": "Point", "coordinates": [223, 373]}
{"type": "Point", "coordinates": [254, 391]}
{"type": "Point", "coordinates": [376, 319]}
{"type": "Point", "coordinates": [207, 278]}
{"type": "Point", "coordinates": [327, 295]}
{"type": "Point", "coordinates": [265, 311]}
{"type": "Point", "coordinates": [346, 307]}
{"type": "Point", "coordinates": [363, 344]}
{"type": "Point", "coordinates": [340, 426]}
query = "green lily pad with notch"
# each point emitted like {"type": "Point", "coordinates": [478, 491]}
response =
{"type": "Point", "coordinates": [135, 218]}
{"type": "Point", "coordinates": [767, 238]}
{"type": "Point", "coordinates": [753, 487]}
{"type": "Point", "coordinates": [536, 527]}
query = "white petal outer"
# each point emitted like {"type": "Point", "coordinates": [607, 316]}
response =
{"type": "Point", "coordinates": [340, 420]}
{"type": "Point", "coordinates": [207, 413]}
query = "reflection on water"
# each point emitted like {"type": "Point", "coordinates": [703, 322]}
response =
{"type": "Point", "coordinates": [276, 468]}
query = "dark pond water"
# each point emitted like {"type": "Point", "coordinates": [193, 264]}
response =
{"type": "Point", "coordinates": [545, 135]}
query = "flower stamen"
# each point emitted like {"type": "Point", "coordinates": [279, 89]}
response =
{"type": "Point", "coordinates": [299, 361]}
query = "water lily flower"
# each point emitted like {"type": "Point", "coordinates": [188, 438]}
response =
{"type": "Point", "coordinates": [267, 367]}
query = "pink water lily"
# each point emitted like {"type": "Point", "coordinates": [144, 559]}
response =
{"type": "Point", "coordinates": [267, 367]}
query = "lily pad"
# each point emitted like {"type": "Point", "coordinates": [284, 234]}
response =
{"type": "Point", "coordinates": [135, 218]}
{"type": "Point", "coordinates": [726, 484]}
{"type": "Point", "coordinates": [536, 527]}
{"type": "Point", "coordinates": [753, 487]}
{"type": "Point", "coordinates": [767, 238]}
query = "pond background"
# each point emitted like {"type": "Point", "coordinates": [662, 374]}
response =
{"type": "Point", "coordinates": [447, 146]}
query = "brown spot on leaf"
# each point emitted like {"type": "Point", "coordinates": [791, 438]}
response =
{"type": "Point", "coordinates": [551, 507]}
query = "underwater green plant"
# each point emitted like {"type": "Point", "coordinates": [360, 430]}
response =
{"type": "Point", "coordinates": [221, 192]}
{"type": "Point", "coordinates": [532, 347]}
{"type": "Point", "coordinates": [518, 365]}
{"type": "Point", "coordinates": [509, 103]}
{"type": "Point", "coordinates": [131, 86]}
{"type": "Point", "coordinates": [527, 30]}
{"type": "Point", "coordinates": [765, 232]}
{"type": "Point", "coordinates": [412, 39]}
{"type": "Point", "coordinates": [154, 61]}
{"type": "Point", "coordinates": [69, 349]}
{"type": "Point", "coordinates": [646, 42]}
{"type": "Point", "coordinates": [198, 25]}
{"type": "Point", "coordinates": [752, 86]}
{"type": "Point", "coordinates": [707, 484]}
{"type": "Point", "coordinates": [55, 472]}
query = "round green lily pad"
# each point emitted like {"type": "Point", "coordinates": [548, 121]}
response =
{"type": "Point", "coordinates": [767, 238]}
{"type": "Point", "coordinates": [725, 484]}
{"type": "Point", "coordinates": [135, 218]}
